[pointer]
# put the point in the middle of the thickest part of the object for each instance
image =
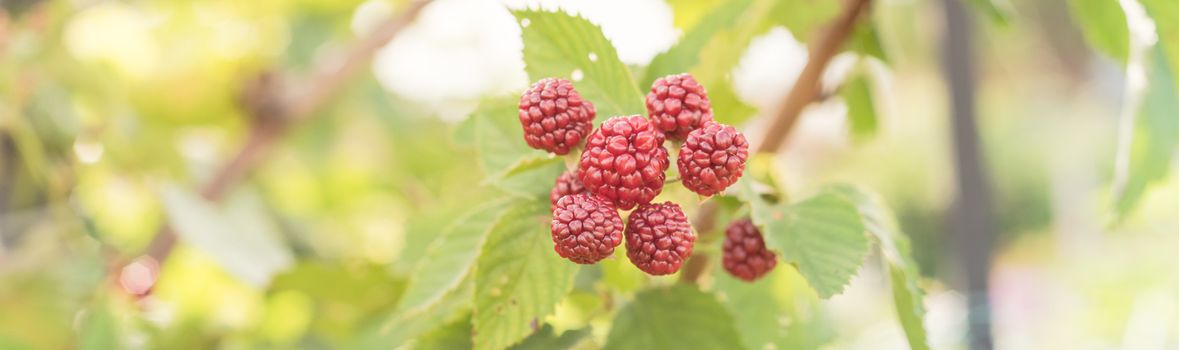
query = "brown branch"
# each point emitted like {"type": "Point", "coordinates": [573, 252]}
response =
{"type": "Point", "coordinates": [270, 124]}
{"type": "Point", "coordinates": [806, 90]}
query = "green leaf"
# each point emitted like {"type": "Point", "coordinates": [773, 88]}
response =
{"type": "Point", "coordinates": [823, 236]}
{"type": "Point", "coordinates": [724, 48]}
{"type": "Point", "coordinates": [239, 237]}
{"type": "Point", "coordinates": [710, 50]}
{"type": "Point", "coordinates": [676, 317]}
{"type": "Point", "coordinates": [453, 335]}
{"type": "Point", "coordinates": [1104, 26]}
{"type": "Point", "coordinates": [866, 41]}
{"type": "Point", "coordinates": [463, 135]}
{"type": "Point", "coordinates": [802, 17]}
{"type": "Point", "coordinates": [367, 287]}
{"type": "Point", "coordinates": [557, 44]}
{"type": "Point", "coordinates": [1156, 133]}
{"type": "Point", "coordinates": [450, 257]}
{"type": "Point", "coordinates": [689, 12]}
{"type": "Point", "coordinates": [506, 159]}
{"type": "Point", "coordinates": [499, 136]}
{"type": "Point", "coordinates": [861, 109]}
{"type": "Point", "coordinates": [527, 165]}
{"type": "Point", "coordinates": [907, 297]}
{"type": "Point", "coordinates": [897, 254]}
{"type": "Point", "coordinates": [620, 274]}
{"type": "Point", "coordinates": [727, 108]}
{"type": "Point", "coordinates": [716, 44]}
{"type": "Point", "coordinates": [685, 54]}
{"type": "Point", "coordinates": [546, 339]}
{"type": "Point", "coordinates": [402, 327]}
{"type": "Point", "coordinates": [759, 308]}
{"type": "Point", "coordinates": [1165, 14]}
{"type": "Point", "coordinates": [535, 182]}
{"type": "Point", "coordinates": [518, 278]}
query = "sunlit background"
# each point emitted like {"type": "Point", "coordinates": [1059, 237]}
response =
{"type": "Point", "coordinates": [112, 113]}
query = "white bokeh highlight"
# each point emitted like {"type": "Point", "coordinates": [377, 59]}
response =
{"type": "Point", "coordinates": [454, 54]}
{"type": "Point", "coordinates": [459, 51]}
{"type": "Point", "coordinates": [769, 68]}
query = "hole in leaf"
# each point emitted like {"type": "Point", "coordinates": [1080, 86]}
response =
{"type": "Point", "coordinates": [593, 57]}
{"type": "Point", "coordinates": [524, 23]}
{"type": "Point", "coordinates": [577, 75]}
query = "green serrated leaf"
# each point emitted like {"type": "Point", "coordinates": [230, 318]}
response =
{"type": "Point", "coordinates": [724, 49]}
{"type": "Point", "coordinates": [547, 339]}
{"type": "Point", "coordinates": [1156, 134]}
{"type": "Point", "coordinates": [907, 297]}
{"type": "Point", "coordinates": [400, 328]}
{"type": "Point", "coordinates": [557, 44]}
{"type": "Point", "coordinates": [450, 257]}
{"type": "Point", "coordinates": [451, 336]}
{"type": "Point", "coordinates": [685, 54]}
{"type": "Point", "coordinates": [518, 279]}
{"type": "Point", "coordinates": [711, 49]}
{"type": "Point", "coordinates": [676, 317]}
{"type": "Point", "coordinates": [239, 237]}
{"type": "Point", "coordinates": [532, 183]}
{"type": "Point", "coordinates": [525, 165]}
{"type": "Point", "coordinates": [897, 254]}
{"type": "Point", "coordinates": [499, 137]}
{"type": "Point", "coordinates": [506, 159]}
{"type": "Point", "coordinates": [1104, 26]}
{"type": "Point", "coordinates": [823, 236]}
{"type": "Point", "coordinates": [758, 309]}
{"type": "Point", "coordinates": [861, 107]}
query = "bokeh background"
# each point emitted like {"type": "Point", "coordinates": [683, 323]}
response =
{"type": "Point", "coordinates": [113, 113]}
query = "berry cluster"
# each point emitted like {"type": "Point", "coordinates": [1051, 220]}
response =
{"type": "Point", "coordinates": [623, 166]}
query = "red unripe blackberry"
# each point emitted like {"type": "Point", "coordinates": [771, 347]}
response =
{"type": "Point", "coordinates": [677, 104]}
{"type": "Point", "coordinates": [585, 228]}
{"type": "Point", "coordinates": [624, 161]}
{"type": "Point", "coordinates": [554, 116]}
{"type": "Point", "coordinates": [745, 253]}
{"type": "Point", "coordinates": [712, 158]}
{"type": "Point", "coordinates": [659, 238]}
{"type": "Point", "coordinates": [567, 184]}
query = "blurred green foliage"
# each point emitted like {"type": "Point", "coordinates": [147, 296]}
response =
{"type": "Point", "coordinates": [377, 224]}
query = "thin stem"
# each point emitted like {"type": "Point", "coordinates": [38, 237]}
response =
{"type": "Point", "coordinates": [807, 88]}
